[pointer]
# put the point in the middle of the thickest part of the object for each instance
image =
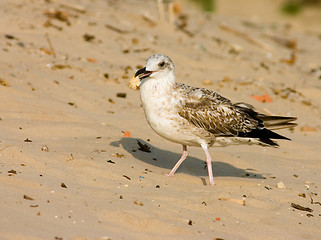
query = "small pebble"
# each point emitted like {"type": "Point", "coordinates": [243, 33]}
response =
{"type": "Point", "coordinates": [121, 95]}
{"type": "Point", "coordinates": [207, 82]}
{"type": "Point", "coordinates": [236, 49]}
{"type": "Point", "coordinates": [281, 185]}
{"type": "Point", "coordinates": [45, 148]}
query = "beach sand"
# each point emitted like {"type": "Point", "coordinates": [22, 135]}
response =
{"type": "Point", "coordinates": [70, 164]}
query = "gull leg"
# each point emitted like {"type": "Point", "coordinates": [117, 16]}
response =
{"type": "Point", "coordinates": [184, 155]}
{"type": "Point", "coordinates": [209, 164]}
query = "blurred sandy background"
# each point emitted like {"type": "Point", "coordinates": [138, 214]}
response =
{"type": "Point", "coordinates": [70, 165]}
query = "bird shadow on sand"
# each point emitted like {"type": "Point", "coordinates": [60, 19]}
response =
{"type": "Point", "coordinates": [167, 159]}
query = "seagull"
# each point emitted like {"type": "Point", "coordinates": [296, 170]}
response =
{"type": "Point", "coordinates": [199, 117]}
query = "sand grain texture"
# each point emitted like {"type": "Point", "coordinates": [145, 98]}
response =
{"type": "Point", "coordinates": [61, 69]}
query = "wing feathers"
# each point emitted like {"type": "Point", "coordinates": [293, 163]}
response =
{"type": "Point", "coordinates": [217, 115]}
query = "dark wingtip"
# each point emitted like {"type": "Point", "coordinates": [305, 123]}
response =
{"type": "Point", "coordinates": [265, 136]}
{"type": "Point", "coordinates": [269, 142]}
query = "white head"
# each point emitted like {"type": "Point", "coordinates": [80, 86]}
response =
{"type": "Point", "coordinates": [158, 67]}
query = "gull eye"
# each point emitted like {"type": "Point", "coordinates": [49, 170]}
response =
{"type": "Point", "coordinates": [161, 64]}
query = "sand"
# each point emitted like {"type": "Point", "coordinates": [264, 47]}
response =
{"type": "Point", "coordinates": [70, 165]}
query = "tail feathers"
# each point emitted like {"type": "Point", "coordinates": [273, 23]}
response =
{"type": "Point", "coordinates": [277, 122]}
{"type": "Point", "coordinates": [265, 125]}
{"type": "Point", "coordinates": [281, 126]}
{"type": "Point", "coordinates": [270, 122]}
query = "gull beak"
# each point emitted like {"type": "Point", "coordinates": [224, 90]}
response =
{"type": "Point", "coordinates": [139, 75]}
{"type": "Point", "coordinates": [142, 73]}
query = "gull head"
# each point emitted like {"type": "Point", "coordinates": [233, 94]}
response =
{"type": "Point", "coordinates": [157, 66]}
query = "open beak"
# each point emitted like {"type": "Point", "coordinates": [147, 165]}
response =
{"type": "Point", "coordinates": [139, 75]}
{"type": "Point", "coordinates": [142, 73]}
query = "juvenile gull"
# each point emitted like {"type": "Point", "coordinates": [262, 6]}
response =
{"type": "Point", "coordinates": [199, 117]}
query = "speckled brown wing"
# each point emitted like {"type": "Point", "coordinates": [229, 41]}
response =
{"type": "Point", "coordinates": [208, 110]}
{"type": "Point", "coordinates": [221, 119]}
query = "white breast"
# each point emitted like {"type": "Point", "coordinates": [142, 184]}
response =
{"type": "Point", "coordinates": [160, 103]}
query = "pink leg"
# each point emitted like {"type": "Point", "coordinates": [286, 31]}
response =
{"type": "Point", "coordinates": [209, 164]}
{"type": "Point", "coordinates": [184, 155]}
